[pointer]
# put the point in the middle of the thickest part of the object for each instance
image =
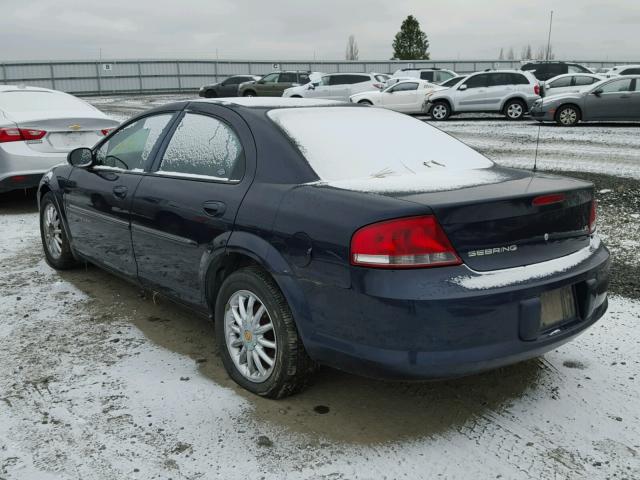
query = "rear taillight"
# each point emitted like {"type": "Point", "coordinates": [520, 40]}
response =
{"type": "Point", "coordinates": [403, 243]}
{"type": "Point", "coordinates": [536, 89]}
{"type": "Point", "coordinates": [20, 134]}
{"type": "Point", "coordinates": [593, 216]}
{"type": "Point", "coordinates": [548, 199]}
{"type": "Point", "coordinates": [106, 131]}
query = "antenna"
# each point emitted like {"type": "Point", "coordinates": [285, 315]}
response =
{"type": "Point", "coordinates": [535, 158]}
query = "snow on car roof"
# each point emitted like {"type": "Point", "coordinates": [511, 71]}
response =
{"type": "Point", "coordinates": [271, 102]}
{"type": "Point", "coordinates": [370, 149]}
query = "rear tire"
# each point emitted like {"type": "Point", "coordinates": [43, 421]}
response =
{"type": "Point", "coordinates": [514, 110]}
{"type": "Point", "coordinates": [440, 111]}
{"type": "Point", "coordinates": [244, 343]}
{"type": "Point", "coordinates": [249, 93]}
{"type": "Point", "coordinates": [55, 243]}
{"type": "Point", "coordinates": [568, 116]}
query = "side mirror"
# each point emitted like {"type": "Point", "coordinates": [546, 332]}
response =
{"type": "Point", "coordinates": [463, 87]}
{"type": "Point", "coordinates": [597, 92]}
{"type": "Point", "coordinates": [80, 157]}
{"type": "Point", "coordinates": [311, 86]}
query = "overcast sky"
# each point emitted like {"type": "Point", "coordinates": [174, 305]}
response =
{"type": "Point", "coordinates": [282, 30]}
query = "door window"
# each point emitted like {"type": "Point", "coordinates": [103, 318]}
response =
{"type": "Point", "coordinates": [130, 147]}
{"type": "Point", "coordinates": [428, 76]}
{"type": "Point", "coordinates": [304, 78]}
{"type": "Point", "coordinates": [561, 82]}
{"type": "Point", "coordinates": [271, 78]}
{"type": "Point", "coordinates": [404, 87]}
{"type": "Point", "coordinates": [583, 80]}
{"type": "Point", "coordinates": [631, 71]}
{"type": "Point", "coordinates": [477, 81]}
{"type": "Point", "coordinates": [443, 76]}
{"type": "Point", "coordinates": [288, 78]}
{"type": "Point", "coordinates": [623, 85]}
{"type": "Point", "coordinates": [499, 79]}
{"type": "Point", "coordinates": [576, 69]}
{"type": "Point", "coordinates": [204, 146]}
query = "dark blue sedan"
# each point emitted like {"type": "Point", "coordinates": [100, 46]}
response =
{"type": "Point", "coordinates": [315, 232]}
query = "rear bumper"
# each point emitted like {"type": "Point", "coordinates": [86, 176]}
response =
{"type": "Point", "coordinates": [405, 325]}
{"type": "Point", "coordinates": [23, 167]}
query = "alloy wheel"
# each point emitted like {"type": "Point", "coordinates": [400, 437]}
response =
{"type": "Point", "coordinates": [568, 116]}
{"type": "Point", "coordinates": [53, 231]}
{"type": "Point", "coordinates": [515, 111]}
{"type": "Point", "coordinates": [439, 112]}
{"type": "Point", "coordinates": [250, 336]}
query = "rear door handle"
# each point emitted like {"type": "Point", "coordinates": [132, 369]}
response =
{"type": "Point", "coordinates": [214, 208]}
{"type": "Point", "coordinates": [120, 191]}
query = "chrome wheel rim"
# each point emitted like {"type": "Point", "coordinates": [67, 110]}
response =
{"type": "Point", "coordinates": [568, 116]}
{"type": "Point", "coordinates": [439, 112]}
{"type": "Point", "coordinates": [514, 110]}
{"type": "Point", "coordinates": [250, 336]}
{"type": "Point", "coordinates": [52, 231]}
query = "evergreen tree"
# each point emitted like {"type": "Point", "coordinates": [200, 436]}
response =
{"type": "Point", "coordinates": [410, 43]}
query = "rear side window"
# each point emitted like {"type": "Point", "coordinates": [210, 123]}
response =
{"type": "Point", "coordinates": [477, 81]}
{"type": "Point", "coordinates": [519, 79]}
{"type": "Point", "coordinates": [288, 78]}
{"type": "Point", "coordinates": [443, 76]}
{"type": "Point", "coordinates": [561, 82]}
{"type": "Point", "coordinates": [427, 76]}
{"type": "Point", "coordinates": [497, 79]}
{"type": "Point", "coordinates": [130, 147]}
{"type": "Point", "coordinates": [631, 71]}
{"type": "Point", "coordinates": [359, 78]}
{"type": "Point", "coordinates": [405, 86]}
{"type": "Point", "coordinates": [204, 146]}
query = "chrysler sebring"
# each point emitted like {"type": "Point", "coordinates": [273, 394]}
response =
{"type": "Point", "coordinates": [310, 237]}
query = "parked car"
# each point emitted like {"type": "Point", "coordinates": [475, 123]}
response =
{"type": "Point", "coordinates": [38, 127]}
{"type": "Point", "coordinates": [407, 96]}
{"type": "Point", "coordinates": [338, 86]}
{"type": "Point", "coordinates": [569, 82]}
{"type": "Point", "coordinates": [227, 88]}
{"type": "Point", "coordinates": [273, 84]}
{"type": "Point", "coordinates": [544, 70]}
{"type": "Point", "coordinates": [433, 75]}
{"type": "Point", "coordinates": [615, 99]}
{"type": "Point", "coordinates": [510, 92]}
{"type": "Point", "coordinates": [623, 70]}
{"type": "Point", "coordinates": [310, 238]}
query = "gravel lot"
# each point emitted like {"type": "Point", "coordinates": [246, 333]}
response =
{"type": "Point", "coordinates": [99, 380]}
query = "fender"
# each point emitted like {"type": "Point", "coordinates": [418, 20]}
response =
{"type": "Point", "coordinates": [263, 253]}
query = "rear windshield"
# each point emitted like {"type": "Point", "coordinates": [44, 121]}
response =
{"type": "Point", "coordinates": [30, 101]}
{"type": "Point", "coordinates": [344, 143]}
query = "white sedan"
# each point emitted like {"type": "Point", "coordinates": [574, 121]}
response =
{"type": "Point", "coordinates": [569, 82]}
{"type": "Point", "coordinates": [406, 96]}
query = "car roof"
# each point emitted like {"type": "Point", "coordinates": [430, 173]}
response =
{"type": "Point", "coordinates": [620, 67]}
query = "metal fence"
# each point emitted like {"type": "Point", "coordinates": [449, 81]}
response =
{"type": "Point", "coordinates": [109, 77]}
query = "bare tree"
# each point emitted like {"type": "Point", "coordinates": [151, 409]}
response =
{"type": "Point", "coordinates": [511, 55]}
{"type": "Point", "coordinates": [352, 49]}
{"type": "Point", "coordinates": [526, 53]}
{"type": "Point", "coordinates": [541, 52]}
{"type": "Point", "coordinates": [501, 56]}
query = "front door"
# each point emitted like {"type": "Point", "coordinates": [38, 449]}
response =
{"type": "Point", "coordinates": [611, 103]}
{"type": "Point", "coordinates": [266, 86]}
{"type": "Point", "coordinates": [98, 198]}
{"type": "Point", "coordinates": [474, 97]}
{"type": "Point", "coordinates": [185, 208]}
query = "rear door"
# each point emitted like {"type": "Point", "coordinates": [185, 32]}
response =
{"type": "Point", "coordinates": [402, 97]}
{"type": "Point", "coordinates": [229, 88]}
{"type": "Point", "coordinates": [98, 198]}
{"type": "Point", "coordinates": [500, 86]}
{"type": "Point", "coordinates": [286, 80]}
{"type": "Point", "coordinates": [266, 87]}
{"type": "Point", "coordinates": [186, 207]}
{"type": "Point", "coordinates": [612, 103]}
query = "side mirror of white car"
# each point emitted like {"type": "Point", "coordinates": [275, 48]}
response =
{"type": "Point", "coordinates": [311, 86]}
{"type": "Point", "coordinates": [462, 87]}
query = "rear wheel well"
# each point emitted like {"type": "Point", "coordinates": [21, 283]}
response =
{"type": "Point", "coordinates": [516, 99]}
{"type": "Point", "coordinates": [221, 270]}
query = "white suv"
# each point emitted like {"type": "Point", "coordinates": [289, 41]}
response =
{"type": "Point", "coordinates": [432, 75]}
{"type": "Point", "coordinates": [338, 86]}
{"type": "Point", "coordinates": [510, 92]}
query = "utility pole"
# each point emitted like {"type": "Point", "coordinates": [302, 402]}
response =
{"type": "Point", "coordinates": [549, 37]}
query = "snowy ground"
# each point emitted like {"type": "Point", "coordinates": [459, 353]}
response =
{"type": "Point", "coordinates": [98, 381]}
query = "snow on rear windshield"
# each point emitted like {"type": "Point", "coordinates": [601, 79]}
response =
{"type": "Point", "coordinates": [35, 101]}
{"type": "Point", "coordinates": [344, 144]}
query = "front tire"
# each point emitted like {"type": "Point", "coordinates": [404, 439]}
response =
{"type": "Point", "coordinates": [440, 111]}
{"type": "Point", "coordinates": [514, 110]}
{"type": "Point", "coordinates": [210, 94]}
{"type": "Point", "coordinates": [55, 243]}
{"type": "Point", "coordinates": [257, 336]}
{"type": "Point", "coordinates": [568, 116]}
{"type": "Point", "coordinates": [365, 102]}
{"type": "Point", "coordinates": [249, 93]}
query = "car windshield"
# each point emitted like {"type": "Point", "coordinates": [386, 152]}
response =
{"type": "Point", "coordinates": [452, 81]}
{"type": "Point", "coordinates": [366, 143]}
{"type": "Point", "coordinates": [35, 101]}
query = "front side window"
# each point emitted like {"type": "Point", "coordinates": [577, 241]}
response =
{"type": "Point", "coordinates": [204, 146]}
{"type": "Point", "coordinates": [617, 86]}
{"type": "Point", "coordinates": [477, 81]}
{"type": "Point", "coordinates": [404, 87]}
{"type": "Point", "coordinates": [130, 147]}
{"type": "Point", "coordinates": [304, 78]}
{"type": "Point", "coordinates": [288, 78]}
{"type": "Point", "coordinates": [631, 71]}
{"type": "Point", "coordinates": [271, 78]}
{"type": "Point", "coordinates": [561, 82]}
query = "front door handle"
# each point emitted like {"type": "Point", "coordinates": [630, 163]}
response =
{"type": "Point", "coordinates": [214, 208]}
{"type": "Point", "coordinates": [120, 191]}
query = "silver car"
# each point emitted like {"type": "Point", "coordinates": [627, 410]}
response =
{"type": "Point", "coordinates": [38, 127]}
{"type": "Point", "coordinates": [614, 99]}
{"type": "Point", "coordinates": [510, 92]}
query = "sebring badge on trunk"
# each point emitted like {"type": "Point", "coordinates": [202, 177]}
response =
{"type": "Point", "coordinates": [492, 251]}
